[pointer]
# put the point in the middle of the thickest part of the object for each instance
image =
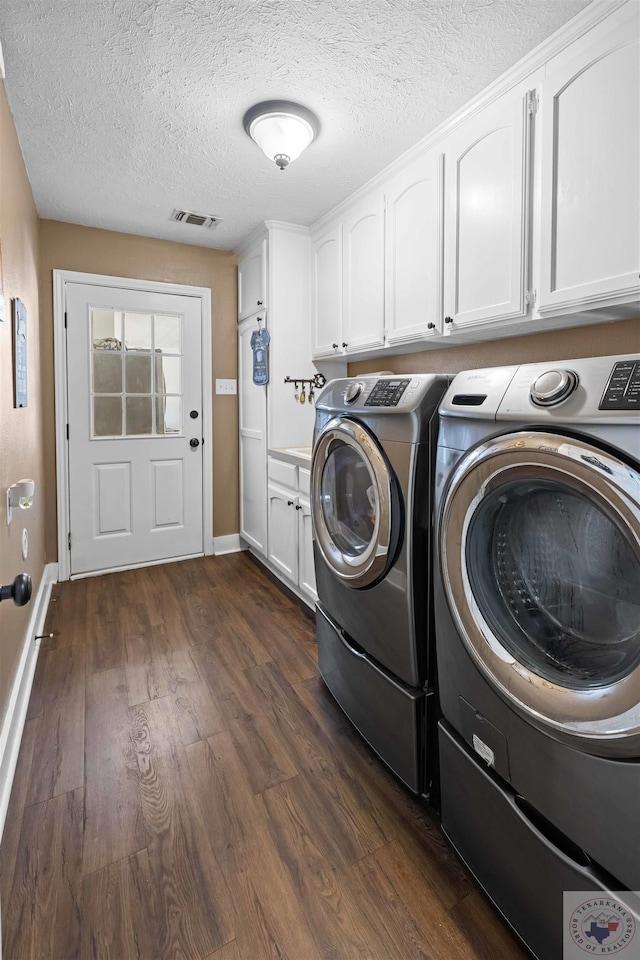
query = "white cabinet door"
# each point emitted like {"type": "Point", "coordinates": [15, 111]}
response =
{"type": "Point", "coordinates": [413, 250]}
{"type": "Point", "coordinates": [363, 258]}
{"type": "Point", "coordinates": [283, 531]}
{"type": "Point", "coordinates": [252, 412]}
{"type": "Point", "coordinates": [486, 216]}
{"type": "Point", "coordinates": [306, 569]}
{"type": "Point", "coordinates": [326, 295]}
{"type": "Point", "coordinates": [252, 281]}
{"type": "Point", "coordinates": [590, 107]}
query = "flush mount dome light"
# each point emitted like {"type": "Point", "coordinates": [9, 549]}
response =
{"type": "Point", "coordinates": [281, 129]}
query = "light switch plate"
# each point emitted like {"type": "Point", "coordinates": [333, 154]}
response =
{"type": "Point", "coordinates": [227, 386]}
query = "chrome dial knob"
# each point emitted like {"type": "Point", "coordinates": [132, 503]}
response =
{"type": "Point", "coordinates": [552, 387]}
{"type": "Point", "coordinates": [352, 392]}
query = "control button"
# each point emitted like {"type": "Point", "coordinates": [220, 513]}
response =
{"type": "Point", "coordinates": [553, 387]}
{"type": "Point", "coordinates": [352, 392]}
{"type": "Point", "coordinates": [415, 384]}
{"type": "Point", "coordinates": [409, 395]}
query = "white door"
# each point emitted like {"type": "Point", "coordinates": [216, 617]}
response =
{"type": "Point", "coordinates": [253, 443]}
{"type": "Point", "coordinates": [413, 250]}
{"type": "Point", "coordinates": [252, 281]}
{"type": "Point", "coordinates": [486, 217]}
{"type": "Point", "coordinates": [326, 258]}
{"type": "Point", "coordinates": [283, 532]}
{"type": "Point", "coordinates": [363, 293]}
{"type": "Point", "coordinates": [135, 426]}
{"type": "Point", "coordinates": [306, 569]}
{"type": "Point", "coordinates": [590, 161]}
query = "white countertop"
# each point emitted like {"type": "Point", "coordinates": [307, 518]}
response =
{"type": "Point", "coordinates": [298, 455]}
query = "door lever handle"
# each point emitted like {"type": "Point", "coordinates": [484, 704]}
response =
{"type": "Point", "coordinates": [19, 591]}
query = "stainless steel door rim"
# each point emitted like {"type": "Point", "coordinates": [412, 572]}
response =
{"type": "Point", "coordinates": [606, 713]}
{"type": "Point", "coordinates": [367, 566]}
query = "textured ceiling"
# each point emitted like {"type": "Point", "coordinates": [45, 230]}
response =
{"type": "Point", "coordinates": [126, 109]}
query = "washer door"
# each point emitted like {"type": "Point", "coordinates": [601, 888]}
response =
{"type": "Point", "coordinates": [540, 553]}
{"type": "Point", "coordinates": [351, 496]}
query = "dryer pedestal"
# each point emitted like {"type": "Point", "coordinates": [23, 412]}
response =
{"type": "Point", "coordinates": [389, 715]}
{"type": "Point", "coordinates": [521, 861]}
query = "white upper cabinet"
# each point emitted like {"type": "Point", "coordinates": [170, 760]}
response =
{"type": "Point", "coordinates": [413, 250]}
{"type": "Point", "coordinates": [252, 281]}
{"type": "Point", "coordinates": [590, 110]}
{"type": "Point", "coordinates": [487, 203]}
{"type": "Point", "coordinates": [363, 283]}
{"type": "Point", "coordinates": [326, 292]}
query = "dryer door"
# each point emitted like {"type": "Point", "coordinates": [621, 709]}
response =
{"type": "Point", "coordinates": [352, 503]}
{"type": "Point", "coordinates": [540, 552]}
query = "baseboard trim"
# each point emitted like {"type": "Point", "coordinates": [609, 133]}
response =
{"type": "Point", "coordinates": [13, 724]}
{"type": "Point", "coordinates": [228, 544]}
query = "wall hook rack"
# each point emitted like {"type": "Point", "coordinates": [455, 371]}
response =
{"type": "Point", "coordinates": [317, 381]}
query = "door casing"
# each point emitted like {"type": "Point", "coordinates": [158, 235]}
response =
{"type": "Point", "coordinates": [60, 280]}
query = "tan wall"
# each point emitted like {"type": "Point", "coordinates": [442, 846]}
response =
{"type": "Point", "coordinates": [65, 246]}
{"type": "Point", "coordinates": [21, 446]}
{"type": "Point", "coordinates": [597, 340]}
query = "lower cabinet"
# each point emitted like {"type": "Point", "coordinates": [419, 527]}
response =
{"type": "Point", "coordinates": [290, 534]}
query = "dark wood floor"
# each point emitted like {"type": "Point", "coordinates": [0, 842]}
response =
{"type": "Point", "coordinates": [188, 789]}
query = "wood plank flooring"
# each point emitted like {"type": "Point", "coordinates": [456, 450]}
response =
{"type": "Point", "coordinates": [188, 789]}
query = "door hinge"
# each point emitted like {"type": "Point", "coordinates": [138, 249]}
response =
{"type": "Point", "coordinates": [532, 103]}
{"type": "Point", "coordinates": [67, 431]}
{"type": "Point", "coordinates": [69, 541]}
{"type": "Point", "coordinates": [530, 297]}
{"type": "Point", "coordinates": [65, 319]}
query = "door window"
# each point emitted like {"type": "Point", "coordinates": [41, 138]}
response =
{"type": "Point", "coordinates": [136, 366]}
{"type": "Point", "coordinates": [349, 499]}
{"type": "Point", "coordinates": [558, 583]}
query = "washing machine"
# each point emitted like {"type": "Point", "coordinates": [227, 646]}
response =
{"type": "Point", "coordinates": [537, 604]}
{"type": "Point", "coordinates": [371, 500]}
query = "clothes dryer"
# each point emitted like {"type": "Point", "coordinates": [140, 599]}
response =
{"type": "Point", "coordinates": [537, 602]}
{"type": "Point", "coordinates": [371, 494]}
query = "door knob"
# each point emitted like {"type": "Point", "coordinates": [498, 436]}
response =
{"type": "Point", "coordinates": [194, 443]}
{"type": "Point", "coordinates": [448, 319]}
{"type": "Point", "coordinates": [298, 507]}
{"type": "Point", "coordinates": [289, 503]}
{"type": "Point", "coordinates": [344, 344]}
{"type": "Point", "coordinates": [194, 414]}
{"type": "Point", "coordinates": [19, 591]}
{"type": "Point", "coordinates": [335, 345]}
{"type": "Point", "coordinates": [431, 326]}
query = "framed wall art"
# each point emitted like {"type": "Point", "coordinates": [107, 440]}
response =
{"type": "Point", "coordinates": [20, 360]}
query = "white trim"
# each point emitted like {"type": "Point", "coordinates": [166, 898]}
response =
{"type": "Point", "coordinates": [229, 544]}
{"type": "Point", "coordinates": [13, 723]}
{"type": "Point", "coordinates": [60, 280]}
{"type": "Point", "coordinates": [572, 30]}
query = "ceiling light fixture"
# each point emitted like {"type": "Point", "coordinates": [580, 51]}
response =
{"type": "Point", "coordinates": [281, 129]}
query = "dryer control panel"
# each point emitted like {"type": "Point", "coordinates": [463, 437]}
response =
{"type": "Point", "coordinates": [387, 393]}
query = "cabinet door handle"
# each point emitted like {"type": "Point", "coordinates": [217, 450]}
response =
{"type": "Point", "coordinates": [298, 507]}
{"type": "Point", "coordinates": [431, 326]}
{"type": "Point", "coordinates": [335, 345]}
{"type": "Point", "coordinates": [259, 302]}
{"type": "Point", "coordinates": [448, 319]}
{"type": "Point", "coordinates": [345, 344]}
{"type": "Point", "coordinates": [289, 503]}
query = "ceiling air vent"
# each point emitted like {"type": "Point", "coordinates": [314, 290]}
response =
{"type": "Point", "coordinates": [195, 219]}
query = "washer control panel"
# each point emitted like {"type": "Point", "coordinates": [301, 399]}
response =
{"type": "Point", "coordinates": [387, 393]}
{"type": "Point", "coordinates": [623, 387]}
